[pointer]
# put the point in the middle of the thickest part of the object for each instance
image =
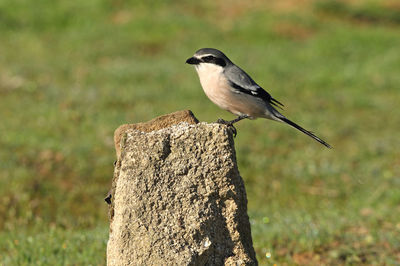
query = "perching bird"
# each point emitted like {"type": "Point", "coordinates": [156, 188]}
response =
{"type": "Point", "coordinates": [229, 87]}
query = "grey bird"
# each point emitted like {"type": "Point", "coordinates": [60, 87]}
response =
{"type": "Point", "coordinates": [232, 89]}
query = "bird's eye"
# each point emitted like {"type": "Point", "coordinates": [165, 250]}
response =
{"type": "Point", "coordinates": [208, 58]}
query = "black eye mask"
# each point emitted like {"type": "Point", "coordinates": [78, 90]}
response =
{"type": "Point", "coordinates": [214, 60]}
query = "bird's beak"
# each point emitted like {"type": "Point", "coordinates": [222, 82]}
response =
{"type": "Point", "coordinates": [193, 61]}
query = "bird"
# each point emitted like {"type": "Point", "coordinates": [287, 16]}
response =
{"type": "Point", "coordinates": [232, 89]}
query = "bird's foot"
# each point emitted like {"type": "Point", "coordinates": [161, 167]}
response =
{"type": "Point", "coordinates": [229, 124]}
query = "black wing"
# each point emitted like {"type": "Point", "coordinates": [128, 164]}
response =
{"type": "Point", "coordinates": [248, 86]}
{"type": "Point", "coordinates": [259, 92]}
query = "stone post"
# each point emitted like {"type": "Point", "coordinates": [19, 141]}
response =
{"type": "Point", "coordinates": [177, 197]}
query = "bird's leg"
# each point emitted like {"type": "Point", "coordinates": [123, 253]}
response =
{"type": "Point", "coordinates": [241, 117]}
{"type": "Point", "coordinates": [224, 122]}
{"type": "Point", "coordinates": [230, 123]}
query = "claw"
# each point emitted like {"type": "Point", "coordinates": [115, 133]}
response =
{"type": "Point", "coordinates": [234, 131]}
{"type": "Point", "coordinates": [229, 124]}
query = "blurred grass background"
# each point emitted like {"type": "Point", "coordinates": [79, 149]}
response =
{"type": "Point", "coordinates": [73, 71]}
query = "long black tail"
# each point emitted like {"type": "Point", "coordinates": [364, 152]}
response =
{"type": "Point", "coordinates": [296, 126]}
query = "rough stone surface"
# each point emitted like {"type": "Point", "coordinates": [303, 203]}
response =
{"type": "Point", "coordinates": [155, 124]}
{"type": "Point", "coordinates": [178, 199]}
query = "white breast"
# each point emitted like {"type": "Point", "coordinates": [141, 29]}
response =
{"type": "Point", "coordinates": [214, 83]}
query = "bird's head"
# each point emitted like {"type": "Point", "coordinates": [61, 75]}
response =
{"type": "Point", "coordinates": [209, 57]}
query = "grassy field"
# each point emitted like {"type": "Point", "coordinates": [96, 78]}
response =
{"type": "Point", "coordinates": [73, 71]}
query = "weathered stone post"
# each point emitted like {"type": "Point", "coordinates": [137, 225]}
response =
{"type": "Point", "coordinates": [177, 197]}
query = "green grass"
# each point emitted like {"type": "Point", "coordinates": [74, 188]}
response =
{"type": "Point", "coordinates": [52, 246]}
{"type": "Point", "coordinates": [72, 71]}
